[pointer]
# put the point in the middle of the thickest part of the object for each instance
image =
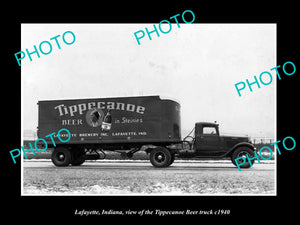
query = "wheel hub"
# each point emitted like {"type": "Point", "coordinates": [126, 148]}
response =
{"type": "Point", "coordinates": [160, 157]}
{"type": "Point", "coordinates": [61, 157]}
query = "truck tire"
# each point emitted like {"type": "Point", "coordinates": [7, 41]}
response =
{"type": "Point", "coordinates": [61, 156]}
{"type": "Point", "coordinates": [242, 152]}
{"type": "Point", "coordinates": [78, 157]}
{"type": "Point", "coordinates": [172, 159]}
{"type": "Point", "coordinates": [160, 157]}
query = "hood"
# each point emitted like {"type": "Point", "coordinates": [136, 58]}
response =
{"type": "Point", "coordinates": [232, 137]}
{"type": "Point", "coordinates": [230, 141]}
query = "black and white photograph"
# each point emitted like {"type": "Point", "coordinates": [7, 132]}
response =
{"type": "Point", "coordinates": [165, 113]}
{"type": "Point", "coordinates": [148, 109]}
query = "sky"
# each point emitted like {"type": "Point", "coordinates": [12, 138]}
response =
{"type": "Point", "coordinates": [196, 65]}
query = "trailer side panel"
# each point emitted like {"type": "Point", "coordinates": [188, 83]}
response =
{"type": "Point", "coordinates": [111, 120]}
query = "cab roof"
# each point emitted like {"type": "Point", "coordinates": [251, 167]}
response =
{"type": "Point", "coordinates": [207, 124]}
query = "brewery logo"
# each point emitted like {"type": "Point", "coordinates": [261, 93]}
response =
{"type": "Point", "coordinates": [95, 117]}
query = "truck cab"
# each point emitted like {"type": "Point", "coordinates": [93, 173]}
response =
{"type": "Point", "coordinates": [207, 139]}
{"type": "Point", "coordinates": [208, 143]}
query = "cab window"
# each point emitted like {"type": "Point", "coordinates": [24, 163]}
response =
{"type": "Point", "coordinates": [209, 130]}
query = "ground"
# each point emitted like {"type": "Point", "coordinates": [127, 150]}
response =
{"type": "Point", "coordinates": [139, 177]}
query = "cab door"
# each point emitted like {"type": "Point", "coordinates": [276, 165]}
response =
{"type": "Point", "coordinates": [207, 140]}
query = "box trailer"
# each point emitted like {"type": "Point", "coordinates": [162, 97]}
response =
{"type": "Point", "coordinates": [128, 125]}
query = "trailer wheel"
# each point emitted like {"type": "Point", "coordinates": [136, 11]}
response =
{"type": "Point", "coordinates": [172, 159]}
{"type": "Point", "coordinates": [78, 157]}
{"type": "Point", "coordinates": [61, 156]}
{"type": "Point", "coordinates": [160, 157]}
{"type": "Point", "coordinates": [242, 152]}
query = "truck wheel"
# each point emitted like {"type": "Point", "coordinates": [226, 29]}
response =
{"type": "Point", "coordinates": [172, 159]}
{"type": "Point", "coordinates": [78, 157]}
{"type": "Point", "coordinates": [242, 152]}
{"type": "Point", "coordinates": [160, 157]}
{"type": "Point", "coordinates": [61, 156]}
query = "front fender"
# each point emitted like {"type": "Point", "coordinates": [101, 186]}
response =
{"type": "Point", "coordinates": [246, 144]}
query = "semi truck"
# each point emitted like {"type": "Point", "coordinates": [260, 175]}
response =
{"type": "Point", "coordinates": [130, 124]}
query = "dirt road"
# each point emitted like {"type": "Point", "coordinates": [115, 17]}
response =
{"type": "Point", "coordinates": [110, 177]}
